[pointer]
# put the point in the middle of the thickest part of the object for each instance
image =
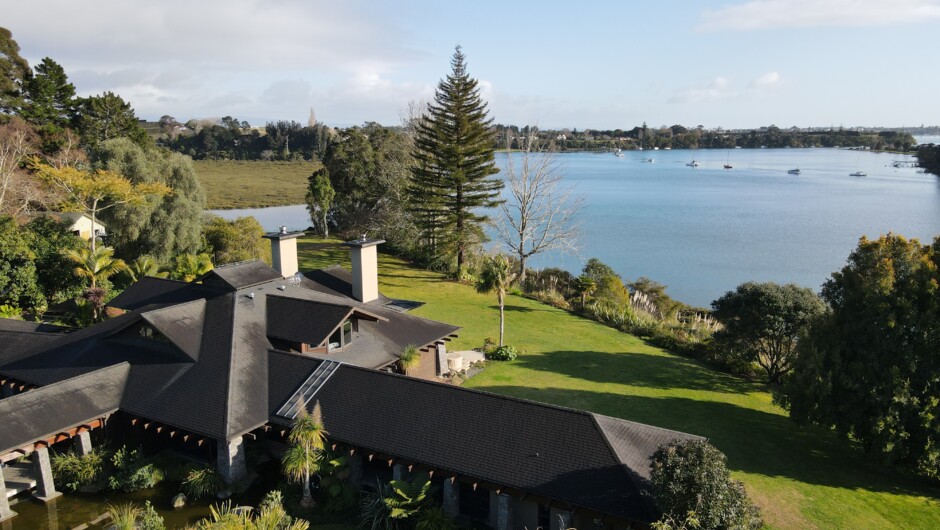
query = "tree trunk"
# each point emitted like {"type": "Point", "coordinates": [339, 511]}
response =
{"type": "Point", "coordinates": [522, 271]}
{"type": "Point", "coordinates": [307, 500]}
{"type": "Point", "coordinates": [502, 316]}
{"type": "Point", "coordinates": [94, 208]}
{"type": "Point", "coordinates": [326, 227]}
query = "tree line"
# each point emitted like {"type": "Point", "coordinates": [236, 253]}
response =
{"type": "Point", "coordinates": [928, 157]}
{"type": "Point", "coordinates": [681, 137]}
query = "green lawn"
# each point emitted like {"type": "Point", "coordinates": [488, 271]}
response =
{"type": "Point", "coordinates": [800, 477]}
{"type": "Point", "coordinates": [253, 184]}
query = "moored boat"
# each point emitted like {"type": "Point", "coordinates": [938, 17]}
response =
{"type": "Point", "coordinates": [795, 171]}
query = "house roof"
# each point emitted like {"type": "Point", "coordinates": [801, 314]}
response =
{"type": "Point", "coordinates": [585, 459]}
{"type": "Point", "coordinates": [43, 412]}
{"type": "Point", "coordinates": [210, 374]}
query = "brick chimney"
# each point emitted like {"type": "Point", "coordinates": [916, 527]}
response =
{"type": "Point", "coordinates": [365, 268]}
{"type": "Point", "coordinates": [284, 250]}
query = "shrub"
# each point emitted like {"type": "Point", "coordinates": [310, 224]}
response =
{"type": "Point", "coordinates": [434, 518]}
{"type": "Point", "coordinates": [149, 519]}
{"type": "Point", "coordinates": [124, 516]}
{"type": "Point", "coordinates": [200, 482]}
{"type": "Point", "coordinates": [409, 358]}
{"type": "Point", "coordinates": [131, 472]}
{"type": "Point", "coordinates": [504, 353]}
{"type": "Point", "coordinates": [691, 477]}
{"type": "Point", "coordinates": [73, 471]}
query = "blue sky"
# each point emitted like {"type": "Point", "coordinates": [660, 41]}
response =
{"type": "Point", "coordinates": [729, 63]}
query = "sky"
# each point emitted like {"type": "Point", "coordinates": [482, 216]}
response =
{"type": "Point", "coordinates": [601, 65]}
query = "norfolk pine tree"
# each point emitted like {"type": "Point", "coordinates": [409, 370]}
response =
{"type": "Point", "coordinates": [452, 179]}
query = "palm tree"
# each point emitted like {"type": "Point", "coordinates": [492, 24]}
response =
{"type": "Point", "coordinates": [188, 267]}
{"type": "Point", "coordinates": [96, 264]}
{"type": "Point", "coordinates": [145, 266]}
{"type": "Point", "coordinates": [585, 285]}
{"type": "Point", "coordinates": [308, 439]}
{"type": "Point", "coordinates": [497, 275]}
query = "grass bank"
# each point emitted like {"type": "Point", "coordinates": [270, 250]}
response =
{"type": "Point", "coordinates": [800, 477]}
{"type": "Point", "coordinates": [253, 184]}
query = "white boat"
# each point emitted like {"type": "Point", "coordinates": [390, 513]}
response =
{"type": "Point", "coordinates": [795, 171]}
{"type": "Point", "coordinates": [694, 163]}
{"type": "Point", "coordinates": [858, 174]}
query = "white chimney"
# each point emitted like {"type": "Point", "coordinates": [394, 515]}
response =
{"type": "Point", "coordinates": [365, 268]}
{"type": "Point", "coordinates": [284, 251]}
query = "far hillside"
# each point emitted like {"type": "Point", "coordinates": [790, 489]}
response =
{"type": "Point", "coordinates": [253, 184]}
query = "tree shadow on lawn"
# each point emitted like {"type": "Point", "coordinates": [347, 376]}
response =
{"type": "Point", "coordinates": [517, 308]}
{"type": "Point", "coordinates": [639, 369]}
{"type": "Point", "coordinates": [755, 442]}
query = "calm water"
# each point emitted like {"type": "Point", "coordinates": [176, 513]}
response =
{"type": "Point", "coordinates": [702, 231]}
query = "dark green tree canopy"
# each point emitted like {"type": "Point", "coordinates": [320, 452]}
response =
{"type": "Point", "coordinates": [454, 164]}
{"type": "Point", "coordinates": [763, 322]}
{"type": "Point", "coordinates": [871, 367]}
{"type": "Point", "coordinates": [320, 196]}
{"type": "Point", "coordinates": [105, 117]}
{"type": "Point", "coordinates": [18, 283]}
{"type": "Point", "coordinates": [49, 96]}
{"type": "Point", "coordinates": [49, 241]}
{"type": "Point", "coordinates": [163, 226]}
{"type": "Point", "coordinates": [13, 71]}
{"type": "Point", "coordinates": [692, 476]}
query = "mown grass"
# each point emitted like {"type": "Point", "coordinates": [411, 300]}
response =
{"type": "Point", "coordinates": [800, 477]}
{"type": "Point", "coordinates": [253, 184]}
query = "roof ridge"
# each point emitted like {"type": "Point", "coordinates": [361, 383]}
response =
{"type": "Point", "coordinates": [236, 263]}
{"type": "Point", "coordinates": [664, 429]}
{"type": "Point", "coordinates": [472, 390]}
{"type": "Point", "coordinates": [229, 359]}
{"type": "Point", "coordinates": [284, 296]}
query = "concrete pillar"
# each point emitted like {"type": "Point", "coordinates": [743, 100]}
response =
{"type": "Point", "coordinates": [5, 511]}
{"type": "Point", "coordinates": [503, 512]}
{"type": "Point", "coordinates": [83, 443]}
{"type": "Point", "coordinates": [560, 519]}
{"type": "Point", "coordinates": [398, 472]}
{"type": "Point", "coordinates": [355, 471]}
{"type": "Point", "coordinates": [230, 460]}
{"type": "Point", "coordinates": [451, 504]}
{"type": "Point", "coordinates": [42, 468]}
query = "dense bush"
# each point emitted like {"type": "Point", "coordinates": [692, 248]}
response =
{"type": "Point", "coordinates": [201, 482]}
{"type": "Point", "coordinates": [691, 477]}
{"type": "Point", "coordinates": [131, 472]}
{"type": "Point", "coordinates": [505, 352]}
{"type": "Point", "coordinates": [73, 471]}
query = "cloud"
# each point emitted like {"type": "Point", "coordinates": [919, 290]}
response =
{"type": "Point", "coordinates": [768, 80]}
{"type": "Point", "coordinates": [717, 88]}
{"type": "Point", "coordinates": [771, 14]}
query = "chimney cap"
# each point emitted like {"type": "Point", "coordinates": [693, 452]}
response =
{"type": "Point", "coordinates": [282, 233]}
{"type": "Point", "coordinates": [363, 243]}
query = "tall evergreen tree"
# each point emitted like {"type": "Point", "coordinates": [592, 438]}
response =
{"type": "Point", "coordinates": [50, 97]}
{"type": "Point", "coordinates": [453, 175]}
{"type": "Point", "coordinates": [13, 70]}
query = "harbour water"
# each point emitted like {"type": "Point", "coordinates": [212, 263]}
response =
{"type": "Point", "coordinates": [702, 231]}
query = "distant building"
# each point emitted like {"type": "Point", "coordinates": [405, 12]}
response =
{"type": "Point", "coordinates": [78, 223]}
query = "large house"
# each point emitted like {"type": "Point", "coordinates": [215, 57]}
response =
{"type": "Point", "coordinates": [217, 364]}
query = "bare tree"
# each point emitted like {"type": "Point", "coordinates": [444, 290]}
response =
{"type": "Point", "coordinates": [539, 214]}
{"type": "Point", "coordinates": [18, 141]}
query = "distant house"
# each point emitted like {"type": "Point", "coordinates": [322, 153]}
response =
{"type": "Point", "coordinates": [78, 223]}
{"type": "Point", "coordinates": [210, 366]}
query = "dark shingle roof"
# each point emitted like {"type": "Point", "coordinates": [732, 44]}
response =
{"type": "Point", "coordinates": [149, 290]}
{"type": "Point", "coordinates": [43, 412]}
{"type": "Point", "coordinates": [18, 337]}
{"type": "Point", "coordinates": [300, 320]}
{"type": "Point", "coordinates": [558, 453]}
{"type": "Point", "coordinates": [241, 275]}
